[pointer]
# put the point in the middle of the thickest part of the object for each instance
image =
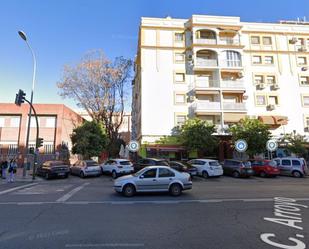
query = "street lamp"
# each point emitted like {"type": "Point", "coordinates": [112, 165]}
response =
{"type": "Point", "coordinates": [24, 37]}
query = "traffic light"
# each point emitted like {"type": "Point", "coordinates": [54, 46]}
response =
{"type": "Point", "coordinates": [39, 142]}
{"type": "Point", "coordinates": [20, 97]}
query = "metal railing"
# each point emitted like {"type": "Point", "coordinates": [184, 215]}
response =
{"type": "Point", "coordinates": [234, 106]}
{"type": "Point", "coordinates": [230, 63]}
{"type": "Point", "coordinates": [229, 41]}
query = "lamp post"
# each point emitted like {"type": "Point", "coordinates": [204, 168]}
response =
{"type": "Point", "coordinates": [24, 37]}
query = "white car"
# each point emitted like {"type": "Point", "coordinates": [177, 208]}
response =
{"type": "Point", "coordinates": [154, 179]}
{"type": "Point", "coordinates": [207, 167]}
{"type": "Point", "coordinates": [117, 167]}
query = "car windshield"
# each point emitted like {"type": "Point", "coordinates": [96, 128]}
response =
{"type": "Point", "coordinates": [125, 163]}
{"type": "Point", "coordinates": [138, 173]}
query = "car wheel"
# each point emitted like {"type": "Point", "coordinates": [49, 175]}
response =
{"type": "Point", "coordinates": [205, 174]}
{"type": "Point", "coordinates": [236, 174]}
{"type": "Point", "coordinates": [81, 174]}
{"type": "Point", "coordinates": [297, 174]}
{"type": "Point", "coordinates": [175, 189]}
{"type": "Point", "coordinates": [263, 174]}
{"type": "Point", "coordinates": [128, 190]}
{"type": "Point", "coordinates": [47, 176]}
{"type": "Point", "coordinates": [114, 174]}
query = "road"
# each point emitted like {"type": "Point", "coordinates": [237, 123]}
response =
{"type": "Point", "coordinates": [217, 213]}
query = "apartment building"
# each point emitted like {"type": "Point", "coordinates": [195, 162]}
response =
{"type": "Point", "coordinates": [56, 124]}
{"type": "Point", "coordinates": [220, 69]}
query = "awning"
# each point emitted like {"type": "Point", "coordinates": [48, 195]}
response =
{"type": "Point", "coordinates": [233, 117]}
{"type": "Point", "coordinates": [274, 120]}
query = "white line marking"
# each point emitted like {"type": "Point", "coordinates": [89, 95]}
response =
{"type": "Point", "coordinates": [106, 245]}
{"type": "Point", "coordinates": [16, 188]}
{"type": "Point", "coordinates": [71, 193]}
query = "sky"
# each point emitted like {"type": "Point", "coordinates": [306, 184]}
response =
{"type": "Point", "coordinates": [62, 31]}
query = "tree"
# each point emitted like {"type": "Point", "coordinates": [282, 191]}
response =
{"type": "Point", "coordinates": [89, 139]}
{"type": "Point", "coordinates": [196, 134]}
{"type": "Point", "coordinates": [296, 144]}
{"type": "Point", "coordinates": [101, 87]}
{"type": "Point", "coordinates": [254, 132]}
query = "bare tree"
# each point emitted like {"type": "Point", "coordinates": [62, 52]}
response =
{"type": "Point", "coordinates": [101, 87]}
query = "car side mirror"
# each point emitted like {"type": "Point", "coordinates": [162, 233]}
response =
{"type": "Point", "coordinates": [141, 177]}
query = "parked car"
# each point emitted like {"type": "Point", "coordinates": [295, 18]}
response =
{"type": "Point", "coordinates": [85, 168]}
{"type": "Point", "coordinates": [183, 167]}
{"type": "Point", "coordinates": [53, 169]}
{"type": "Point", "coordinates": [292, 166]}
{"type": "Point", "coordinates": [144, 162]}
{"type": "Point", "coordinates": [154, 179]}
{"type": "Point", "coordinates": [265, 168]}
{"type": "Point", "coordinates": [117, 167]}
{"type": "Point", "coordinates": [207, 167]}
{"type": "Point", "coordinates": [237, 168]}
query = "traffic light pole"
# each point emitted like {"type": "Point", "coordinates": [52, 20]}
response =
{"type": "Point", "coordinates": [37, 134]}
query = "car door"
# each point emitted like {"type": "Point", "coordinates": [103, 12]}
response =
{"type": "Point", "coordinates": [147, 181]}
{"type": "Point", "coordinates": [165, 177]}
{"type": "Point", "coordinates": [286, 167]}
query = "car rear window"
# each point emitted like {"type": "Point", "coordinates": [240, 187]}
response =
{"type": "Point", "coordinates": [125, 163]}
{"type": "Point", "coordinates": [215, 163]}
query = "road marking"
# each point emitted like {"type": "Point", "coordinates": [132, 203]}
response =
{"type": "Point", "coordinates": [105, 245]}
{"type": "Point", "coordinates": [16, 188]}
{"type": "Point", "coordinates": [140, 202]}
{"type": "Point", "coordinates": [71, 193]}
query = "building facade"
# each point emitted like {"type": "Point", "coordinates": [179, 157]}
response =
{"type": "Point", "coordinates": [56, 124]}
{"type": "Point", "coordinates": [220, 69]}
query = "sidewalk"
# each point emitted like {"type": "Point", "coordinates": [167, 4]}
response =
{"type": "Point", "coordinates": [20, 178]}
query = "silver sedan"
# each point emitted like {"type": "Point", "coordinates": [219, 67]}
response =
{"type": "Point", "coordinates": [154, 179]}
{"type": "Point", "coordinates": [85, 168]}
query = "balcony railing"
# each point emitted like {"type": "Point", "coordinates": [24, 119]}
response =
{"type": "Point", "coordinates": [229, 41]}
{"type": "Point", "coordinates": [230, 63]}
{"type": "Point", "coordinates": [232, 84]}
{"type": "Point", "coordinates": [202, 83]}
{"type": "Point", "coordinates": [206, 41]}
{"type": "Point", "coordinates": [200, 106]}
{"type": "Point", "coordinates": [234, 106]}
{"type": "Point", "coordinates": [206, 62]}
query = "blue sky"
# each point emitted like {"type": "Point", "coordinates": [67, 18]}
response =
{"type": "Point", "coordinates": [61, 31]}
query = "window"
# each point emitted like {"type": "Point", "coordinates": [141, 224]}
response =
{"type": "Point", "coordinates": [260, 100]}
{"type": "Point", "coordinates": [233, 59]}
{"type": "Point", "coordinates": [179, 77]}
{"type": "Point", "coordinates": [179, 37]}
{"type": "Point", "coordinates": [270, 79]}
{"type": "Point", "coordinates": [306, 101]}
{"type": "Point", "coordinates": [180, 98]}
{"type": "Point", "coordinates": [2, 120]}
{"type": "Point", "coordinates": [266, 40]}
{"type": "Point", "coordinates": [180, 120]}
{"type": "Point", "coordinates": [166, 173]}
{"type": "Point", "coordinates": [257, 59]}
{"type": "Point", "coordinates": [307, 121]}
{"type": "Point", "coordinates": [302, 60]}
{"type": "Point", "coordinates": [286, 162]}
{"type": "Point", "coordinates": [150, 173]}
{"type": "Point", "coordinates": [15, 121]}
{"type": "Point", "coordinates": [48, 148]}
{"type": "Point", "coordinates": [273, 100]}
{"type": "Point", "coordinates": [51, 122]}
{"type": "Point", "coordinates": [258, 79]}
{"type": "Point", "coordinates": [255, 40]}
{"type": "Point", "coordinates": [179, 57]}
{"type": "Point", "coordinates": [295, 163]}
{"type": "Point", "coordinates": [269, 60]}
{"type": "Point", "coordinates": [304, 80]}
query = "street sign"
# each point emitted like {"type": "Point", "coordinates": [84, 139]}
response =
{"type": "Point", "coordinates": [133, 146]}
{"type": "Point", "coordinates": [271, 145]}
{"type": "Point", "coordinates": [241, 145]}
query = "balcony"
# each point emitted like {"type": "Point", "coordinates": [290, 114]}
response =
{"type": "Point", "coordinates": [231, 106]}
{"type": "Point", "coordinates": [206, 84]}
{"type": "Point", "coordinates": [204, 106]}
{"type": "Point", "coordinates": [229, 41]}
{"type": "Point", "coordinates": [210, 41]}
{"type": "Point", "coordinates": [232, 84]}
{"type": "Point", "coordinates": [204, 63]}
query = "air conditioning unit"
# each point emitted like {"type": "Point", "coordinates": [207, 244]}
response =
{"type": "Point", "coordinates": [271, 107]}
{"type": "Point", "coordinates": [275, 86]}
{"type": "Point", "coordinates": [293, 40]}
{"type": "Point", "coordinates": [261, 85]}
{"type": "Point", "coordinates": [302, 48]}
{"type": "Point", "coordinates": [304, 68]}
{"type": "Point", "coordinates": [191, 98]}
{"type": "Point", "coordinates": [306, 129]}
{"type": "Point", "coordinates": [189, 57]}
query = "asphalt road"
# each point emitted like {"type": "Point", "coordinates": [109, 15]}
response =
{"type": "Point", "coordinates": [217, 213]}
